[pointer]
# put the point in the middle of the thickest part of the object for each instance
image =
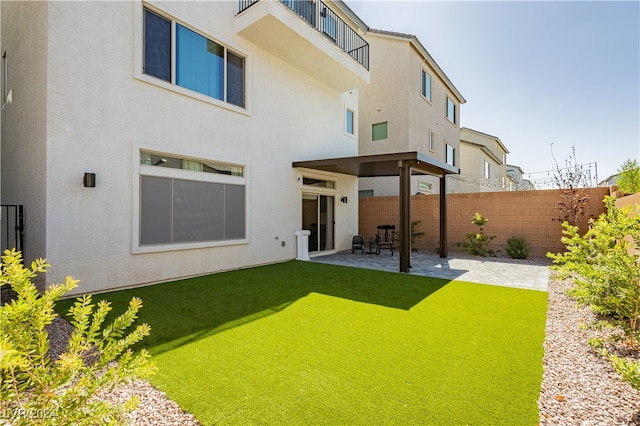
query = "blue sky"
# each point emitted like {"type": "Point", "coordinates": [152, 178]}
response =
{"type": "Point", "coordinates": [538, 73]}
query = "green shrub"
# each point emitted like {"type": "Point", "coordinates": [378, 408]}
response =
{"type": "Point", "coordinates": [517, 248]}
{"type": "Point", "coordinates": [629, 179]}
{"type": "Point", "coordinates": [36, 389]}
{"type": "Point", "coordinates": [476, 242]}
{"type": "Point", "coordinates": [605, 270]}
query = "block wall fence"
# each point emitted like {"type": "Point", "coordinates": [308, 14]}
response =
{"type": "Point", "coordinates": [528, 214]}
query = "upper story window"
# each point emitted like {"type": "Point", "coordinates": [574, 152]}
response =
{"type": "Point", "coordinates": [350, 122]}
{"type": "Point", "coordinates": [487, 169]}
{"type": "Point", "coordinates": [450, 155]}
{"type": "Point", "coordinates": [199, 64]}
{"type": "Point", "coordinates": [328, 23]}
{"type": "Point", "coordinates": [5, 80]}
{"type": "Point", "coordinates": [426, 85]}
{"type": "Point", "coordinates": [432, 137]}
{"type": "Point", "coordinates": [379, 131]}
{"type": "Point", "coordinates": [451, 111]}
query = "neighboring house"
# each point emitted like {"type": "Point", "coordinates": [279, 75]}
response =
{"type": "Point", "coordinates": [610, 181]}
{"type": "Point", "coordinates": [518, 182]}
{"type": "Point", "coordinates": [410, 105]}
{"type": "Point", "coordinates": [150, 141]}
{"type": "Point", "coordinates": [483, 161]}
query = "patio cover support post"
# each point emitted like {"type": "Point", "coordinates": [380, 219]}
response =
{"type": "Point", "coordinates": [405, 216]}
{"type": "Point", "coordinates": [444, 250]}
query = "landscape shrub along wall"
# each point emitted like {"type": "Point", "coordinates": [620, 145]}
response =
{"type": "Point", "coordinates": [527, 214]}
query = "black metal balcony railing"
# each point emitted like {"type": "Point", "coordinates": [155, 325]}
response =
{"type": "Point", "coordinates": [317, 14]}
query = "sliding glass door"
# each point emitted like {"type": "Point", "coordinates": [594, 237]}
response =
{"type": "Point", "coordinates": [318, 217]}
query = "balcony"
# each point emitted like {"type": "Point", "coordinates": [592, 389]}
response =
{"type": "Point", "coordinates": [308, 35]}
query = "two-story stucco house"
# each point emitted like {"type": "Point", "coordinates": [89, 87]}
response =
{"type": "Point", "coordinates": [518, 182]}
{"type": "Point", "coordinates": [483, 163]}
{"type": "Point", "coordinates": [410, 105]}
{"type": "Point", "coordinates": [155, 140]}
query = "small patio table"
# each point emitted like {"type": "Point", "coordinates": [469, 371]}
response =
{"type": "Point", "coordinates": [371, 242]}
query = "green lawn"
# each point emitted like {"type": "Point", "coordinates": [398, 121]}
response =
{"type": "Point", "coordinates": [306, 343]}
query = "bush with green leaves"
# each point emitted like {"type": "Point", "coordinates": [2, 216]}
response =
{"type": "Point", "coordinates": [629, 179]}
{"type": "Point", "coordinates": [477, 243]}
{"type": "Point", "coordinates": [38, 390]}
{"type": "Point", "coordinates": [517, 248]}
{"type": "Point", "coordinates": [604, 266]}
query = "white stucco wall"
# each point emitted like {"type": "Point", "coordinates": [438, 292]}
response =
{"type": "Point", "coordinates": [24, 132]}
{"type": "Point", "coordinates": [101, 110]}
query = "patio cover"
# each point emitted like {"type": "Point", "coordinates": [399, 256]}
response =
{"type": "Point", "coordinates": [402, 164]}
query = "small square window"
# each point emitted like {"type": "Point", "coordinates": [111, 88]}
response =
{"type": "Point", "coordinates": [379, 131]}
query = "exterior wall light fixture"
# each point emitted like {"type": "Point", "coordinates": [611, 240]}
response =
{"type": "Point", "coordinates": [89, 180]}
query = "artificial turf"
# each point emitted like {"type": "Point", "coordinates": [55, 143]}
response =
{"type": "Point", "coordinates": [308, 343]}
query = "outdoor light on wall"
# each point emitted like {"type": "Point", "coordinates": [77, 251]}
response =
{"type": "Point", "coordinates": [89, 180]}
{"type": "Point", "coordinates": [344, 199]}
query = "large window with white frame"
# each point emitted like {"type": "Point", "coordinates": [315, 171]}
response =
{"type": "Point", "coordinates": [181, 56]}
{"type": "Point", "coordinates": [180, 206]}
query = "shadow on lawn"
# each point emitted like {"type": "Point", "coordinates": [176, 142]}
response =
{"type": "Point", "coordinates": [183, 311]}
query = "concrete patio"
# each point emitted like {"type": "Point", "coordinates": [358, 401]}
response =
{"type": "Point", "coordinates": [527, 274]}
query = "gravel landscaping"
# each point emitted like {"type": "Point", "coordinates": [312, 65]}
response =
{"type": "Point", "coordinates": [578, 387]}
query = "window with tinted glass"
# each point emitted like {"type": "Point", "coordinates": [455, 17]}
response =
{"type": "Point", "coordinates": [451, 110]}
{"type": "Point", "coordinates": [201, 64]}
{"type": "Point", "coordinates": [157, 46]}
{"type": "Point", "coordinates": [379, 131]}
{"type": "Point", "coordinates": [426, 85]}
{"type": "Point", "coordinates": [451, 155]}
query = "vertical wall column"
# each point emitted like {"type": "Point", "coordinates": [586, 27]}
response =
{"type": "Point", "coordinates": [405, 215]}
{"type": "Point", "coordinates": [444, 246]}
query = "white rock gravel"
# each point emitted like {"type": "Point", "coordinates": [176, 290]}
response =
{"type": "Point", "coordinates": [154, 409]}
{"type": "Point", "coordinates": [578, 387]}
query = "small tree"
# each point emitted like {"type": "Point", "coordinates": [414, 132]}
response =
{"type": "Point", "coordinates": [629, 180]}
{"type": "Point", "coordinates": [38, 390]}
{"type": "Point", "coordinates": [604, 266]}
{"type": "Point", "coordinates": [572, 182]}
{"type": "Point", "coordinates": [476, 242]}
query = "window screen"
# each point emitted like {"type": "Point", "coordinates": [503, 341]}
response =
{"type": "Point", "coordinates": [182, 211]}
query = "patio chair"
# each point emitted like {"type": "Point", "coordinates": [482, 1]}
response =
{"type": "Point", "coordinates": [385, 237]}
{"type": "Point", "coordinates": [357, 243]}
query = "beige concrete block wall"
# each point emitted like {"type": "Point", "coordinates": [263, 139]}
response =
{"type": "Point", "coordinates": [629, 200]}
{"type": "Point", "coordinates": [528, 214]}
